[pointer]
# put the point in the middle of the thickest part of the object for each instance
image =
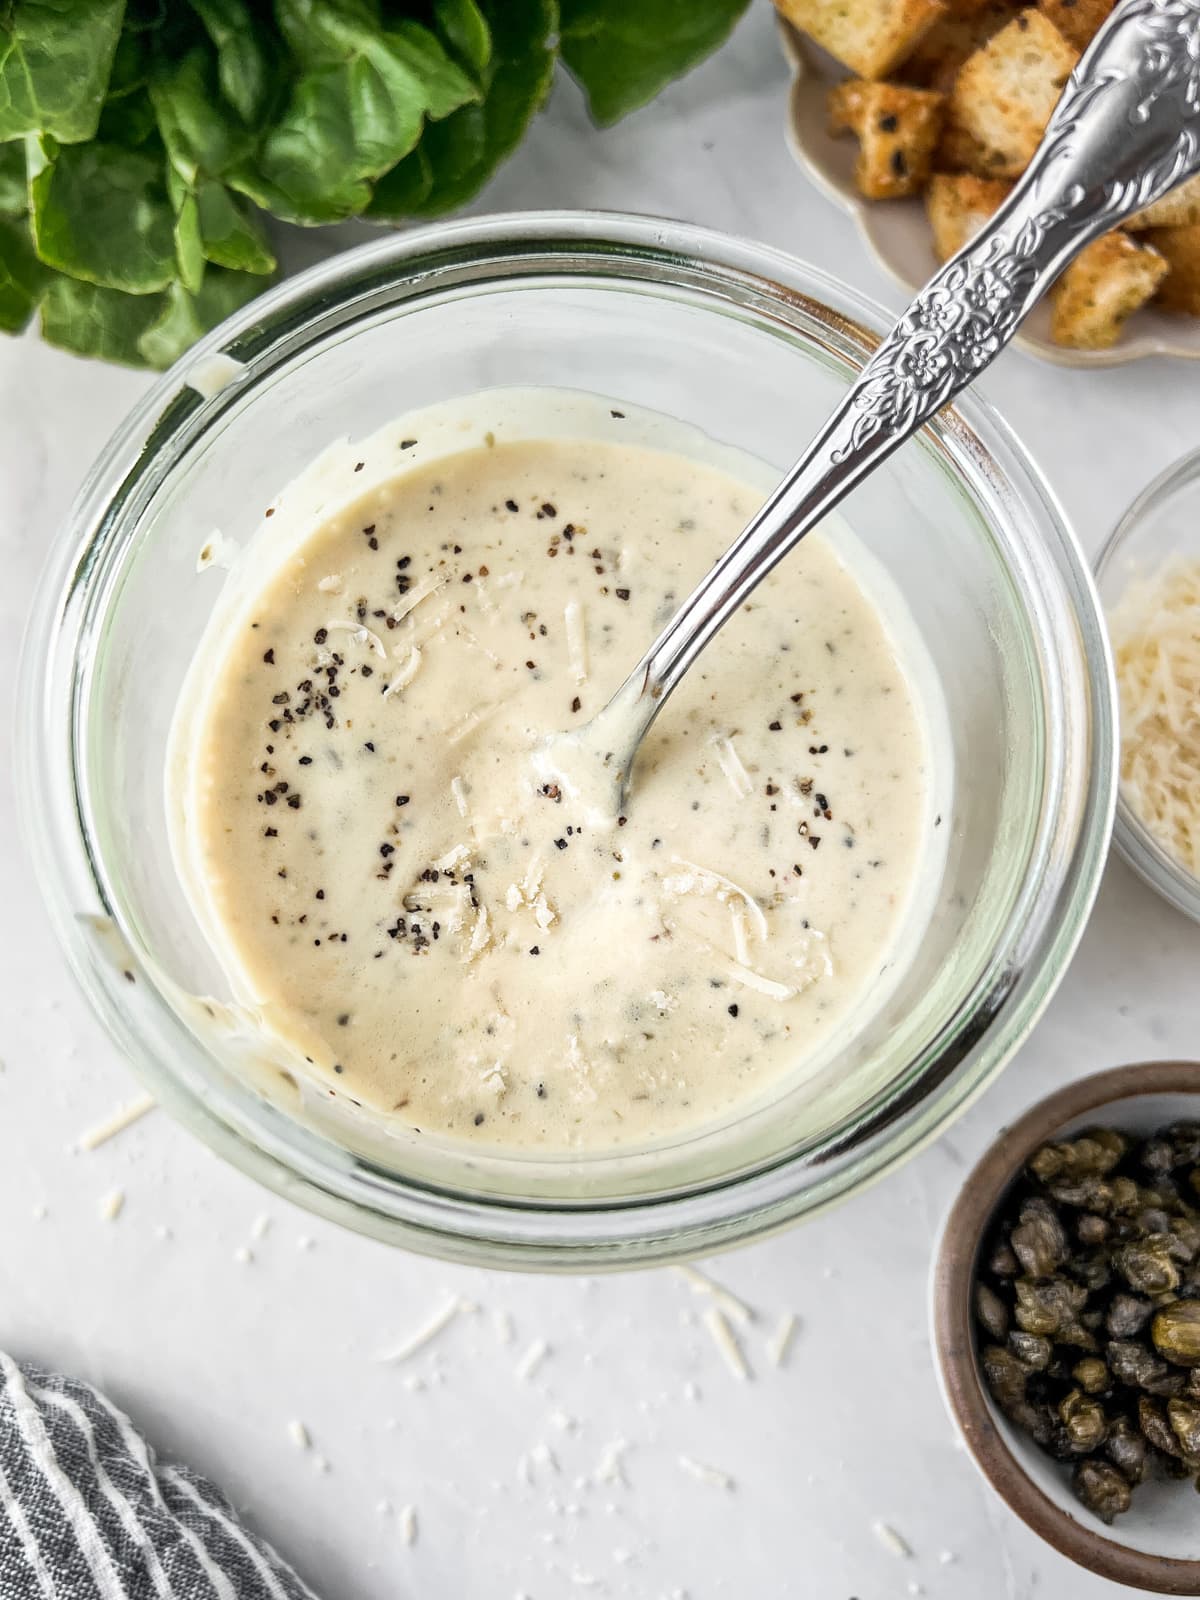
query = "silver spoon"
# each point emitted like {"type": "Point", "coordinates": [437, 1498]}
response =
{"type": "Point", "coordinates": [1126, 130]}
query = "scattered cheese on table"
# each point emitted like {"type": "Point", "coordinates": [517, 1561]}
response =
{"type": "Point", "coordinates": [120, 1119]}
{"type": "Point", "coordinates": [723, 1337]}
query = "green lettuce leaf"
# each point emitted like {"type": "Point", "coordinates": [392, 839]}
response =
{"type": "Point", "coordinates": [187, 316]}
{"type": "Point", "coordinates": [321, 33]}
{"type": "Point", "coordinates": [199, 133]}
{"type": "Point", "coordinates": [129, 120]}
{"type": "Point", "coordinates": [55, 58]}
{"type": "Point", "coordinates": [464, 27]}
{"type": "Point", "coordinates": [22, 276]}
{"type": "Point", "coordinates": [138, 136]}
{"type": "Point", "coordinates": [101, 213]}
{"type": "Point", "coordinates": [189, 245]}
{"type": "Point", "coordinates": [624, 51]}
{"type": "Point", "coordinates": [14, 187]}
{"type": "Point", "coordinates": [243, 55]}
{"type": "Point", "coordinates": [231, 234]}
{"type": "Point", "coordinates": [91, 321]}
{"type": "Point", "coordinates": [455, 158]}
{"type": "Point", "coordinates": [348, 122]}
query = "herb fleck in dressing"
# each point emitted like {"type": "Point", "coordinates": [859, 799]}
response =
{"type": "Point", "coordinates": [441, 931]}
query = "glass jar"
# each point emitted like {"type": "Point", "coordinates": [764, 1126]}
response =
{"type": "Point", "coordinates": [753, 348]}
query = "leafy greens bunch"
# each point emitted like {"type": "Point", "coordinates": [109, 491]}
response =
{"type": "Point", "coordinates": [140, 140]}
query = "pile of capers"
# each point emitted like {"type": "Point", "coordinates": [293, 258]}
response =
{"type": "Point", "coordinates": [1088, 1301]}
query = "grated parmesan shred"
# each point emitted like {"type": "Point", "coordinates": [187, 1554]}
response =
{"type": "Point", "coordinates": [1156, 644]}
{"type": "Point", "coordinates": [731, 766]}
{"type": "Point", "coordinates": [531, 1360]}
{"type": "Point", "coordinates": [723, 1337]}
{"type": "Point", "coordinates": [117, 1123]}
{"type": "Point", "coordinates": [764, 985]}
{"type": "Point", "coordinates": [405, 675]}
{"type": "Point", "coordinates": [703, 880]}
{"type": "Point", "coordinates": [891, 1540]}
{"type": "Point", "coordinates": [576, 626]}
{"type": "Point", "coordinates": [734, 1308]}
{"type": "Point", "coordinates": [428, 585]}
{"type": "Point", "coordinates": [703, 1473]}
{"type": "Point", "coordinates": [360, 634]}
{"type": "Point", "coordinates": [427, 1332]}
{"type": "Point", "coordinates": [741, 938]}
{"type": "Point", "coordinates": [781, 1339]}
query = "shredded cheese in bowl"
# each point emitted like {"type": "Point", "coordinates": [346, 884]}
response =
{"type": "Point", "coordinates": [1155, 631]}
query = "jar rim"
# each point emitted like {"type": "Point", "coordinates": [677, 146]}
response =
{"type": "Point", "coordinates": [1042, 929]}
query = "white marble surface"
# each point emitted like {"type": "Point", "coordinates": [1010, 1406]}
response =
{"type": "Point", "coordinates": [215, 1356]}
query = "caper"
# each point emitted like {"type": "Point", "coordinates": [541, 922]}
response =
{"type": "Point", "coordinates": [1005, 1375]}
{"type": "Point", "coordinates": [1157, 1156]}
{"type": "Point", "coordinates": [1052, 1305]}
{"type": "Point", "coordinates": [1125, 1447]}
{"type": "Point", "coordinates": [1092, 1270]}
{"type": "Point", "coordinates": [1146, 1265]}
{"type": "Point", "coordinates": [1085, 1194]}
{"type": "Point", "coordinates": [991, 1311]}
{"type": "Point", "coordinates": [1091, 1375]}
{"type": "Point", "coordinates": [1136, 1364]}
{"type": "Point", "coordinates": [1184, 1139]}
{"type": "Point", "coordinates": [1127, 1315]}
{"type": "Point", "coordinates": [1185, 1239]}
{"type": "Point", "coordinates": [1084, 1421]}
{"type": "Point", "coordinates": [1102, 1489]}
{"type": "Point", "coordinates": [1176, 1332]}
{"type": "Point", "coordinates": [1184, 1417]}
{"type": "Point", "coordinates": [1040, 1243]}
{"type": "Point", "coordinates": [1033, 1350]}
{"type": "Point", "coordinates": [1152, 1419]}
{"type": "Point", "coordinates": [1002, 1262]}
{"type": "Point", "coordinates": [1091, 1229]}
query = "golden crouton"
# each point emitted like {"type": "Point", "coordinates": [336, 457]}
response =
{"type": "Point", "coordinates": [1079, 21]}
{"type": "Point", "coordinates": [1178, 209]}
{"type": "Point", "coordinates": [897, 131]}
{"type": "Point", "coordinates": [868, 36]}
{"type": "Point", "coordinates": [1180, 289]}
{"type": "Point", "coordinates": [960, 151]}
{"type": "Point", "coordinates": [935, 62]}
{"type": "Point", "coordinates": [958, 205]}
{"type": "Point", "coordinates": [1101, 288]}
{"type": "Point", "coordinates": [1004, 94]}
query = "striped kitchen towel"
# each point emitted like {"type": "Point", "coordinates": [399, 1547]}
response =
{"type": "Point", "coordinates": [87, 1513]}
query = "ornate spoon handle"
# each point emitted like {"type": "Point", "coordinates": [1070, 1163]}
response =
{"type": "Point", "coordinates": [1126, 130]}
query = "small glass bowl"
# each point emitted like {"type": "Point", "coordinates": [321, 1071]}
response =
{"type": "Point", "coordinates": [1163, 522]}
{"type": "Point", "coordinates": [752, 348]}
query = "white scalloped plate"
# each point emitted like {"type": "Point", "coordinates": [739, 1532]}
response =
{"type": "Point", "coordinates": [897, 234]}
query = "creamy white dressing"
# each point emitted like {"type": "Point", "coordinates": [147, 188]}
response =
{"type": "Point", "coordinates": [436, 930]}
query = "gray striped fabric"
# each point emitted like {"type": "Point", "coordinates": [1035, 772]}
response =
{"type": "Point", "coordinates": [87, 1513]}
